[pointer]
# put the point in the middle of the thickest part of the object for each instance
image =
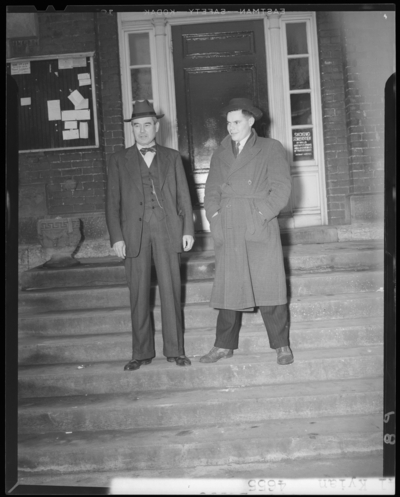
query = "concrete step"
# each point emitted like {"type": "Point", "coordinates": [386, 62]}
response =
{"type": "Point", "coordinates": [178, 450]}
{"type": "Point", "coordinates": [355, 255]}
{"type": "Point", "coordinates": [184, 408]}
{"type": "Point", "coordinates": [194, 291]}
{"type": "Point", "coordinates": [117, 319]}
{"type": "Point", "coordinates": [239, 371]}
{"type": "Point", "coordinates": [322, 470]}
{"type": "Point", "coordinates": [289, 236]}
{"type": "Point", "coordinates": [83, 349]}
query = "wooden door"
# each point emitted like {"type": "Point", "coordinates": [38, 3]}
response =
{"type": "Point", "coordinates": [214, 63]}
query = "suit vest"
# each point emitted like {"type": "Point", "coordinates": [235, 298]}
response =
{"type": "Point", "coordinates": [151, 188]}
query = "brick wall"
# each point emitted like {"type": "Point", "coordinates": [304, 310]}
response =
{"type": "Point", "coordinates": [368, 46]}
{"type": "Point", "coordinates": [333, 115]}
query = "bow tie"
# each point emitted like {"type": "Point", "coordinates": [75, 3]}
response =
{"type": "Point", "coordinates": [144, 151]}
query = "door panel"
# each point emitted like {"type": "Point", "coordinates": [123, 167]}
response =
{"type": "Point", "coordinates": [214, 63]}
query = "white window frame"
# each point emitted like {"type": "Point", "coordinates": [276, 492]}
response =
{"type": "Point", "coordinates": [125, 67]}
{"type": "Point", "coordinates": [306, 166]}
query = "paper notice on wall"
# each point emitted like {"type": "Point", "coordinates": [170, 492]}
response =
{"type": "Point", "coordinates": [75, 115]}
{"type": "Point", "coordinates": [20, 68]}
{"type": "Point", "coordinates": [83, 130]}
{"type": "Point", "coordinates": [75, 97]}
{"type": "Point", "coordinates": [83, 105]}
{"type": "Point", "coordinates": [54, 110]}
{"type": "Point", "coordinates": [71, 124]}
{"type": "Point", "coordinates": [84, 79]}
{"type": "Point", "coordinates": [79, 62]}
{"type": "Point", "coordinates": [65, 63]}
{"type": "Point", "coordinates": [26, 101]}
{"type": "Point", "coordinates": [85, 82]}
{"type": "Point", "coordinates": [71, 134]}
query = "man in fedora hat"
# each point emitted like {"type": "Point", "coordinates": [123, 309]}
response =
{"type": "Point", "coordinates": [248, 185]}
{"type": "Point", "coordinates": [149, 215]}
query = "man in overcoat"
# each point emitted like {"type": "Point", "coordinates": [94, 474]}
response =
{"type": "Point", "coordinates": [248, 185]}
{"type": "Point", "coordinates": [149, 215]}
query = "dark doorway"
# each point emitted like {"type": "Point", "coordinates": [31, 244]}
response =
{"type": "Point", "coordinates": [214, 63]}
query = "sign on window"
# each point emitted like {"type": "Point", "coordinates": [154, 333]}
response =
{"type": "Point", "coordinates": [302, 144]}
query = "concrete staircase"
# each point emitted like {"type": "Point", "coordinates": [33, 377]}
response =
{"type": "Point", "coordinates": [83, 420]}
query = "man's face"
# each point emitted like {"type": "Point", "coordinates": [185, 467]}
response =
{"type": "Point", "coordinates": [239, 126]}
{"type": "Point", "coordinates": [144, 130]}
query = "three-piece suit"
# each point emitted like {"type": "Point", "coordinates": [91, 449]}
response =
{"type": "Point", "coordinates": [149, 208]}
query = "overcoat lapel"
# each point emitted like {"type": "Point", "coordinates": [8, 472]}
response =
{"type": "Point", "coordinates": [250, 150]}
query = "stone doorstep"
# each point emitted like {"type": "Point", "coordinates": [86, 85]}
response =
{"type": "Point", "coordinates": [148, 409]}
{"type": "Point", "coordinates": [85, 349]}
{"type": "Point", "coordinates": [193, 291]}
{"type": "Point", "coordinates": [197, 265]}
{"type": "Point", "coordinates": [163, 378]}
{"type": "Point", "coordinates": [264, 442]}
{"type": "Point", "coordinates": [33, 255]}
{"type": "Point", "coordinates": [354, 465]}
{"type": "Point", "coordinates": [98, 321]}
{"type": "Point", "coordinates": [39, 349]}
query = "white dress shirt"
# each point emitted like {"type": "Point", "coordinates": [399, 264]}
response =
{"type": "Point", "coordinates": [149, 156]}
{"type": "Point", "coordinates": [242, 143]}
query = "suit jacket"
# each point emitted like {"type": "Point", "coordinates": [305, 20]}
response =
{"type": "Point", "coordinates": [125, 198]}
{"type": "Point", "coordinates": [248, 193]}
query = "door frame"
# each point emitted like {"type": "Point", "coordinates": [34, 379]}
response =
{"type": "Point", "coordinates": [159, 26]}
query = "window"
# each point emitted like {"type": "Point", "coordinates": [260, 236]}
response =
{"type": "Point", "coordinates": [298, 70]}
{"type": "Point", "coordinates": [140, 67]}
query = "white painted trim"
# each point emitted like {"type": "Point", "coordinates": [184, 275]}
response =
{"type": "Point", "coordinates": [278, 94]}
{"type": "Point", "coordinates": [315, 90]}
{"type": "Point", "coordinates": [51, 57]}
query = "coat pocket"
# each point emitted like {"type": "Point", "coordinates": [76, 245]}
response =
{"type": "Point", "coordinates": [260, 231]}
{"type": "Point", "coordinates": [216, 229]}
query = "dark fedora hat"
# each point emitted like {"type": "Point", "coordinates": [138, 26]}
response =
{"type": "Point", "coordinates": [143, 108]}
{"type": "Point", "coordinates": [242, 104]}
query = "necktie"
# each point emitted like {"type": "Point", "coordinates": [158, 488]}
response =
{"type": "Point", "coordinates": [236, 149]}
{"type": "Point", "coordinates": [149, 149]}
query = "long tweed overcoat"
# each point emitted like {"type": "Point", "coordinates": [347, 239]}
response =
{"type": "Point", "coordinates": [247, 193]}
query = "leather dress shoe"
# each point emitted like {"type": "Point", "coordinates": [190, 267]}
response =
{"type": "Point", "coordinates": [180, 361]}
{"type": "Point", "coordinates": [285, 355]}
{"type": "Point", "coordinates": [216, 354]}
{"type": "Point", "coordinates": [135, 364]}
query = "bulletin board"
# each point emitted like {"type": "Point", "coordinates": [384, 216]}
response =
{"type": "Point", "coordinates": [57, 102]}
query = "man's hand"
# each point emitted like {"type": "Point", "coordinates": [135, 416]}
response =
{"type": "Point", "coordinates": [188, 241]}
{"type": "Point", "coordinates": [120, 249]}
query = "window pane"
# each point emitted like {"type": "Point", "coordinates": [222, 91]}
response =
{"type": "Point", "coordinates": [139, 49]}
{"type": "Point", "coordinates": [298, 74]}
{"type": "Point", "coordinates": [296, 36]}
{"type": "Point", "coordinates": [141, 84]}
{"type": "Point", "coordinates": [300, 105]}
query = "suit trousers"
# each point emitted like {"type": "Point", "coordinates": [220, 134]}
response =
{"type": "Point", "coordinates": [155, 241]}
{"type": "Point", "coordinates": [275, 318]}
